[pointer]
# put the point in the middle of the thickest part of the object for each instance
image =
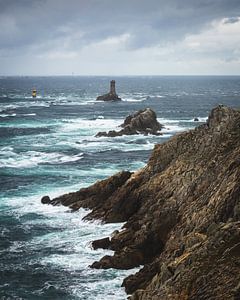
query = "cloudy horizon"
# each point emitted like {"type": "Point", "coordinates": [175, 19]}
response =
{"type": "Point", "coordinates": [134, 37]}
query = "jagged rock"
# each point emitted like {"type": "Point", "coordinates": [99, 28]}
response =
{"type": "Point", "coordinates": [101, 243]}
{"type": "Point", "coordinates": [112, 95]}
{"type": "Point", "coordinates": [196, 120]}
{"type": "Point", "coordinates": [142, 122]}
{"type": "Point", "coordinates": [181, 212]}
{"type": "Point", "coordinates": [100, 197]}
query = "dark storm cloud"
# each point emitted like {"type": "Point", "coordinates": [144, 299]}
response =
{"type": "Point", "coordinates": [43, 24]}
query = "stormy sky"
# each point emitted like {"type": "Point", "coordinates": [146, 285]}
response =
{"type": "Point", "coordinates": [127, 37]}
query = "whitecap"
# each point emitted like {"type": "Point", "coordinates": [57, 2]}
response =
{"type": "Point", "coordinates": [156, 96]}
{"type": "Point", "coordinates": [73, 236]}
{"type": "Point", "coordinates": [32, 114]}
{"type": "Point", "coordinates": [96, 125]}
{"type": "Point", "coordinates": [30, 159]}
{"type": "Point", "coordinates": [133, 100]}
{"type": "Point", "coordinates": [173, 129]}
{"type": "Point", "coordinates": [7, 115]}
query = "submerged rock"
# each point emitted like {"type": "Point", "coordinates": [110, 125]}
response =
{"type": "Point", "coordinates": [181, 212]}
{"type": "Point", "coordinates": [112, 95]}
{"type": "Point", "coordinates": [142, 122]}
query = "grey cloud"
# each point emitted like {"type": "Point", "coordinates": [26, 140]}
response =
{"type": "Point", "coordinates": [148, 22]}
{"type": "Point", "coordinates": [232, 20]}
{"type": "Point", "coordinates": [34, 27]}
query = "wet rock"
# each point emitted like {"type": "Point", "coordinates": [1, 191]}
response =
{"type": "Point", "coordinates": [142, 122]}
{"type": "Point", "coordinates": [181, 212]}
{"type": "Point", "coordinates": [100, 197]}
{"type": "Point", "coordinates": [46, 200]}
{"type": "Point", "coordinates": [101, 243]}
{"type": "Point", "coordinates": [196, 120]}
{"type": "Point", "coordinates": [127, 260]}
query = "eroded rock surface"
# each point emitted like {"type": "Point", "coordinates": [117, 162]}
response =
{"type": "Point", "coordinates": [142, 122]}
{"type": "Point", "coordinates": [182, 214]}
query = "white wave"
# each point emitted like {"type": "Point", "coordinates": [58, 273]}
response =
{"type": "Point", "coordinates": [25, 105]}
{"type": "Point", "coordinates": [74, 236]}
{"type": "Point", "coordinates": [96, 125]}
{"type": "Point", "coordinates": [30, 159]}
{"type": "Point", "coordinates": [14, 115]}
{"type": "Point", "coordinates": [7, 115]}
{"type": "Point", "coordinates": [32, 114]}
{"type": "Point", "coordinates": [156, 96]}
{"type": "Point", "coordinates": [172, 126]}
{"type": "Point", "coordinates": [133, 99]}
{"type": "Point", "coordinates": [173, 129]}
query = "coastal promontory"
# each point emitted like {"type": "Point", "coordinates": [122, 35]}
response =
{"type": "Point", "coordinates": [181, 214]}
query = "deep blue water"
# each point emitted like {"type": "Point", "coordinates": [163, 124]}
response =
{"type": "Point", "coordinates": [47, 146]}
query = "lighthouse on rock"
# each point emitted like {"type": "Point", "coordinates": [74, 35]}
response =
{"type": "Point", "coordinates": [112, 95]}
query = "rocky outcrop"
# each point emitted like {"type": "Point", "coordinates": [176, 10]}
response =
{"type": "Point", "coordinates": [182, 214]}
{"type": "Point", "coordinates": [112, 95]}
{"type": "Point", "coordinates": [100, 197]}
{"type": "Point", "coordinates": [142, 122]}
{"type": "Point", "coordinates": [46, 200]}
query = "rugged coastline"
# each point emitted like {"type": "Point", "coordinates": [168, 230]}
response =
{"type": "Point", "coordinates": [182, 214]}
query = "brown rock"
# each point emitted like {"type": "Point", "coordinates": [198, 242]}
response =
{"type": "Point", "coordinates": [142, 122]}
{"type": "Point", "coordinates": [181, 212]}
{"type": "Point", "coordinates": [101, 243]}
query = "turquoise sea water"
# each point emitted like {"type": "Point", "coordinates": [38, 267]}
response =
{"type": "Point", "coordinates": [47, 147]}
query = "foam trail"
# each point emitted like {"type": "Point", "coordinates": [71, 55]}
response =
{"type": "Point", "coordinates": [33, 158]}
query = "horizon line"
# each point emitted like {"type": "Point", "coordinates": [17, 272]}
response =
{"type": "Point", "coordinates": [126, 75]}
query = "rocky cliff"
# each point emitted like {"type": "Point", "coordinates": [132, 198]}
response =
{"type": "Point", "coordinates": [182, 214]}
{"type": "Point", "coordinates": [141, 122]}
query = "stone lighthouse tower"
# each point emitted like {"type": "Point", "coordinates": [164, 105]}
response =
{"type": "Point", "coordinates": [112, 87]}
{"type": "Point", "coordinates": [112, 95]}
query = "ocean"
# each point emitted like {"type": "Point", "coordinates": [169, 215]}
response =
{"type": "Point", "coordinates": [48, 147]}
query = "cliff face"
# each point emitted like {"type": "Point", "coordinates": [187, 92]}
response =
{"type": "Point", "coordinates": [182, 214]}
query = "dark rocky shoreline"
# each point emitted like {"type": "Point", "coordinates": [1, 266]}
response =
{"type": "Point", "coordinates": [182, 214]}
